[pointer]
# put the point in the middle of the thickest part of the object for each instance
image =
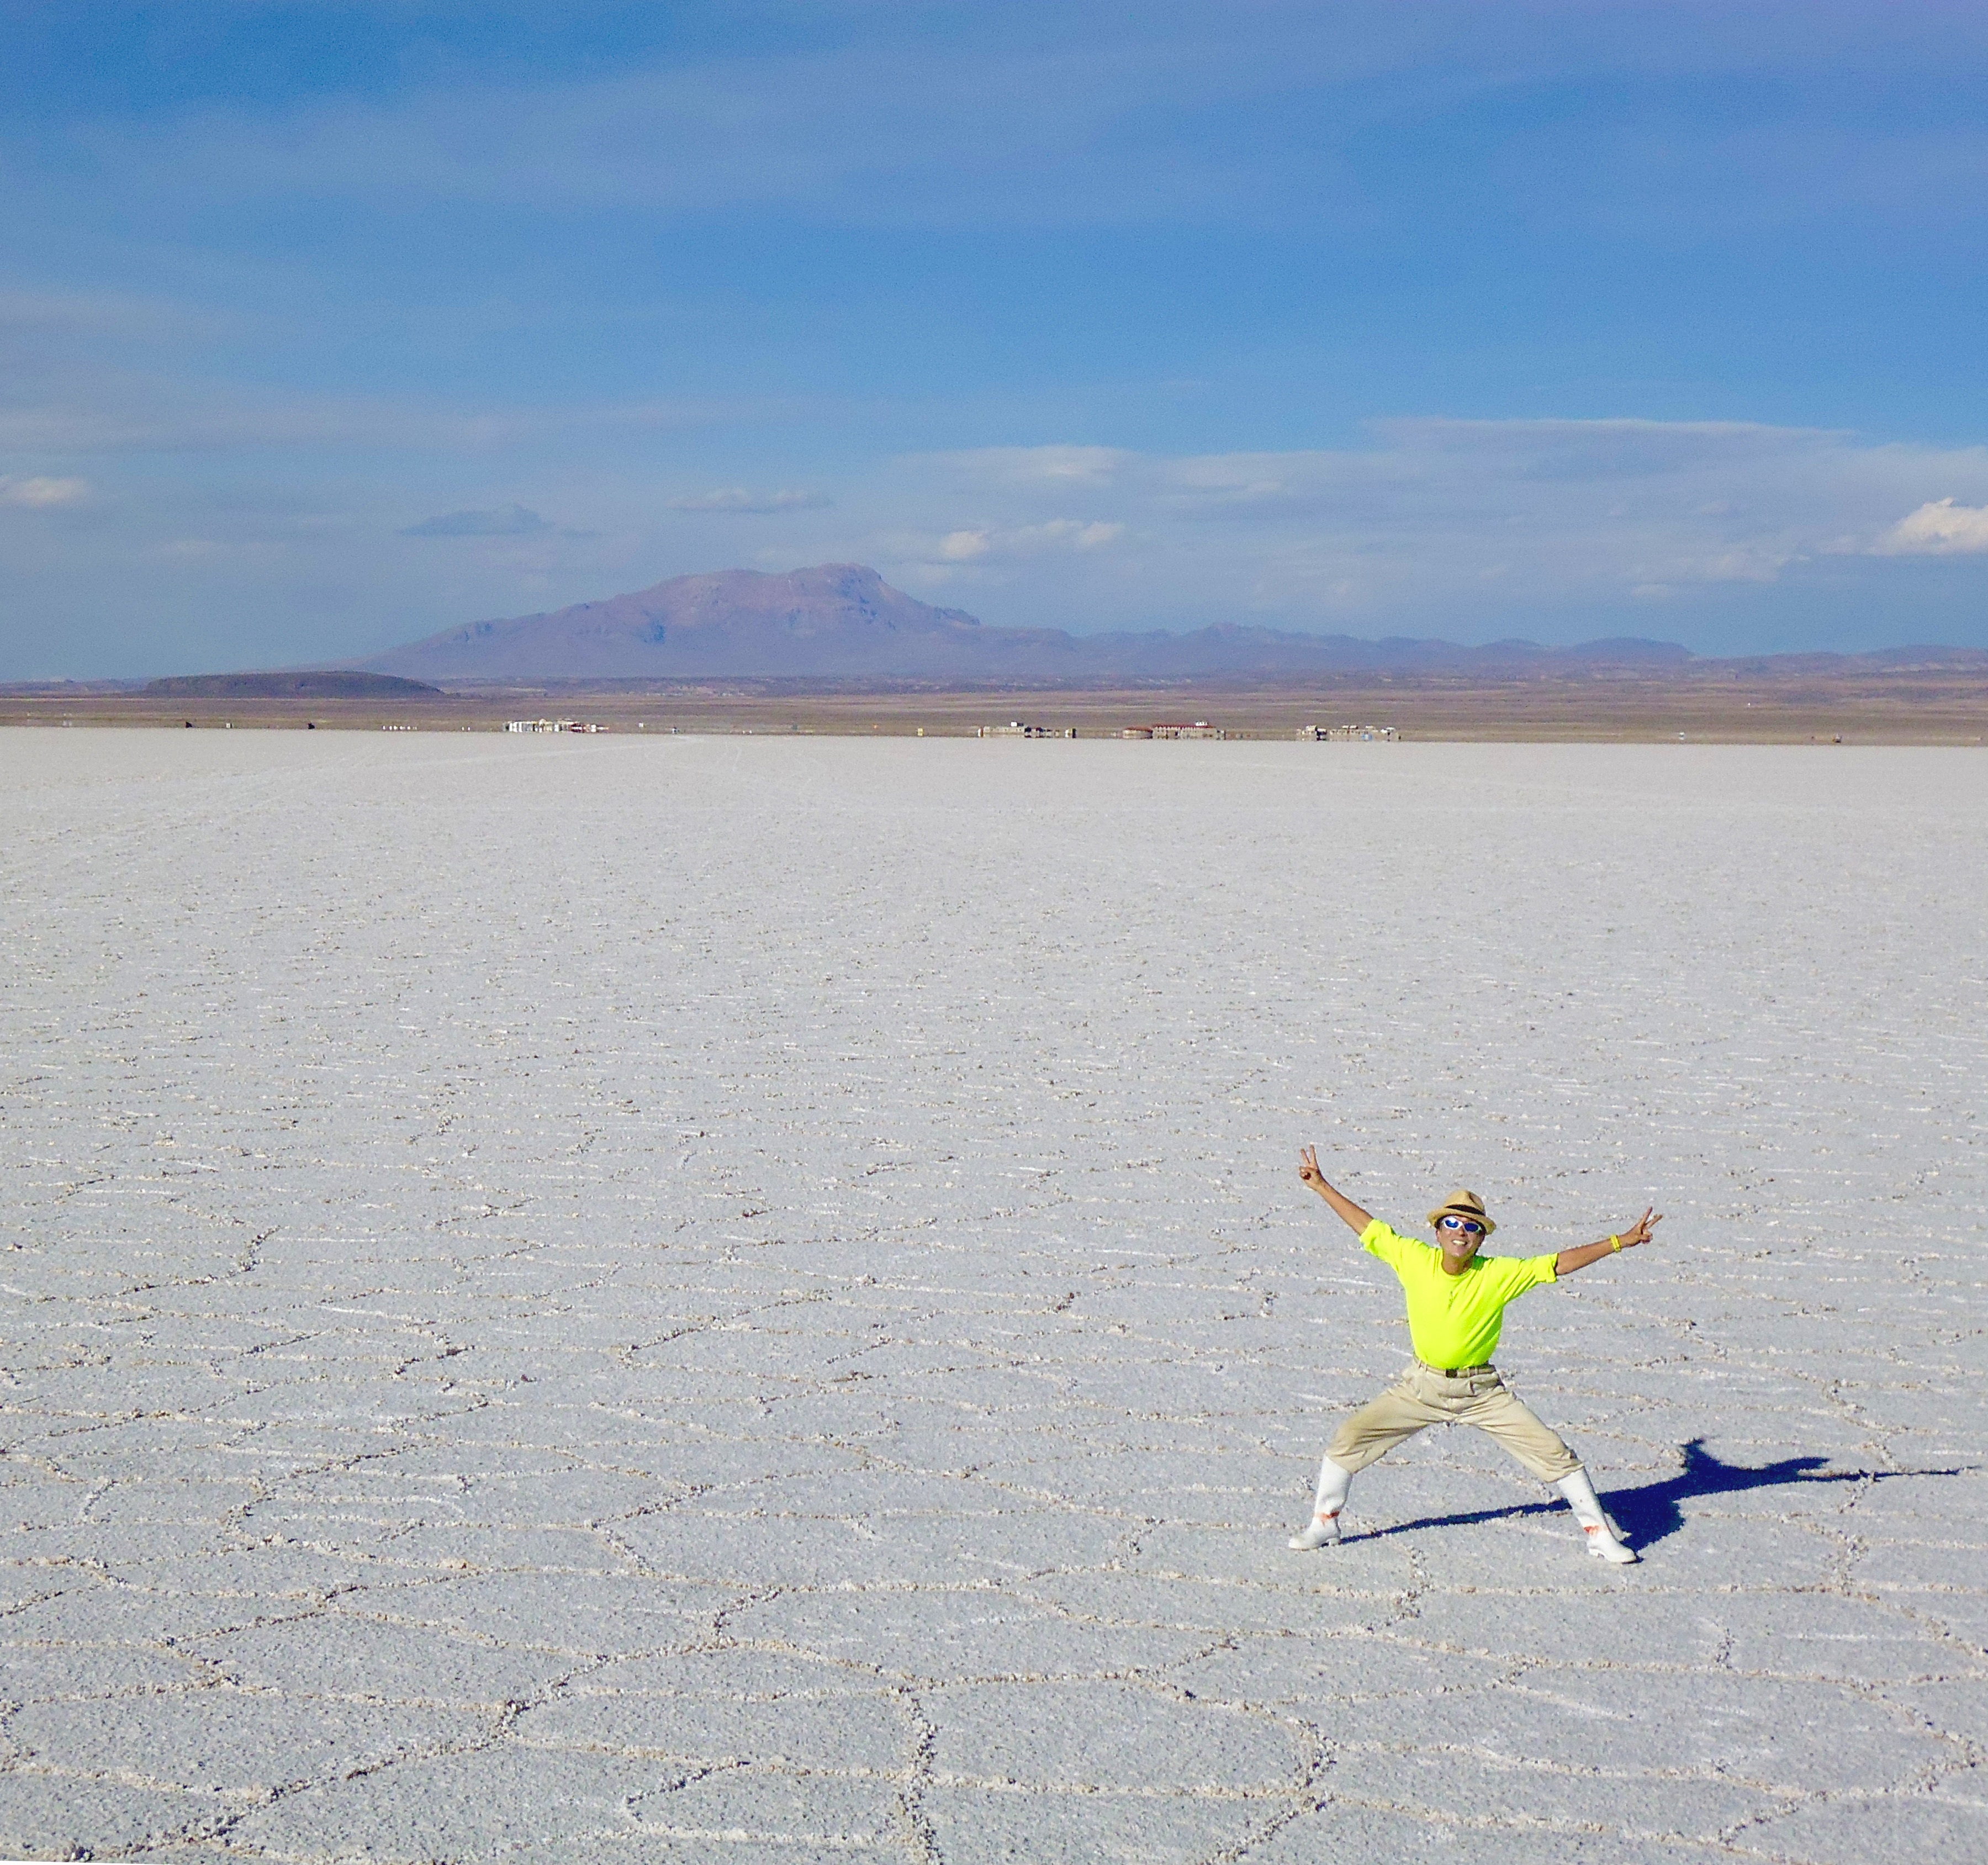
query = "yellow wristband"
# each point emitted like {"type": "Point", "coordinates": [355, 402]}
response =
{"type": "Point", "coordinates": [1614, 1243]}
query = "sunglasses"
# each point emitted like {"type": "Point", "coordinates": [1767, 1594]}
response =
{"type": "Point", "coordinates": [1469, 1225]}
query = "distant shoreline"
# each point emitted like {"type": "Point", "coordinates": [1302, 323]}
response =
{"type": "Point", "coordinates": [1728, 703]}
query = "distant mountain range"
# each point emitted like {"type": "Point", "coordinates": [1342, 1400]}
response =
{"type": "Point", "coordinates": [842, 624]}
{"type": "Point", "coordinates": [841, 621]}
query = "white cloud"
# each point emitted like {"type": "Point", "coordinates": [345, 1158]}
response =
{"type": "Point", "coordinates": [1729, 537]}
{"type": "Point", "coordinates": [44, 315]}
{"type": "Point", "coordinates": [1025, 540]}
{"type": "Point", "coordinates": [1078, 115]}
{"type": "Point", "coordinates": [1748, 563]}
{"type": "Point", "coordinates": [505, 521]}
{"type": "Point", "coordinates": [888, 132]}
{"type": "Point", "coordinates": [40, 494]}
{"type": "Point", "coordinates": [105, 412]}
{"type": "Point", "coordinates": [1938, 528]}
{"type": "Point", "coordinates": [737, 499]}
{"type": "Point", "coordinates": [1043, 466]}
{"type": "Point", "coordinates": [1582, 522]}
{"type": "Point", "coordinates": [1079, 537]}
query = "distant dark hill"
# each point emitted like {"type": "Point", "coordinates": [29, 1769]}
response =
{"type": "Point", "coordinates": [329, 685]}
{"type": "Point", "coordinates": [842, 621]}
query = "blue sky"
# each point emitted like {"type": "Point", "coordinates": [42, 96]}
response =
{"type": "Point", "coordinates": [325, 326]}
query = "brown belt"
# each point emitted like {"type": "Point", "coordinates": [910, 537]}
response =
{"type": "Point", "coordinates": [1457, 1373]}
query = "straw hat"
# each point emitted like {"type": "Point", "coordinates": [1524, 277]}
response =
{"type": "Point", "coordinates": [1462, 1204]}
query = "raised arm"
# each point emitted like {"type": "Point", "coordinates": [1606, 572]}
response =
{"type": "Point", "coordinates": [1569, 1260]}
{"type": "Point", "coordinates": [1308, 1171]}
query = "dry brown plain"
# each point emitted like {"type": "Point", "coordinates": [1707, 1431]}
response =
{"type": "Point", "coordinates": [1720, 703]}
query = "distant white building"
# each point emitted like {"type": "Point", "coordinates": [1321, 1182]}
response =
{"type": "Point", "coordinates": [1015, 728]}
{"type": "Point", "coordinates": [1363, 734]}
{"type": "Point", "coordinates": [553, 725]}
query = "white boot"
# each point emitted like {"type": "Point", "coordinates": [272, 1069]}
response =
{"type": "Point", "coordinates": [1323, 1530]}
{"type": "Point", "coordinates": [1605, 1538]}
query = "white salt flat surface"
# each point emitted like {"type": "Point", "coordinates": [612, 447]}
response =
{"type": "Point", "coordinates": [748, 1299]}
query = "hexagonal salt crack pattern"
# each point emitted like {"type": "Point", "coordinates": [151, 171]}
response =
{"type": "Point", "coordinates": [724, 1300]}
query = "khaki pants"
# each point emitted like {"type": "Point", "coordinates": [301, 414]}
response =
{"type": "Point", "coordinates": [1424, 1397]}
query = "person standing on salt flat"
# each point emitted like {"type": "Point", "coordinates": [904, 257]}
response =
{"type": "Point", "coordinates": [1456, 1302]}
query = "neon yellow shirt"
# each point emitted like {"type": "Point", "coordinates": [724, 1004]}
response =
{"type": "Point", "coordinates": [1454, 1321]}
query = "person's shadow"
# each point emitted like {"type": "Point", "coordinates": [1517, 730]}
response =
{"type": "Point", "coordinates": [1653, 1511]}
